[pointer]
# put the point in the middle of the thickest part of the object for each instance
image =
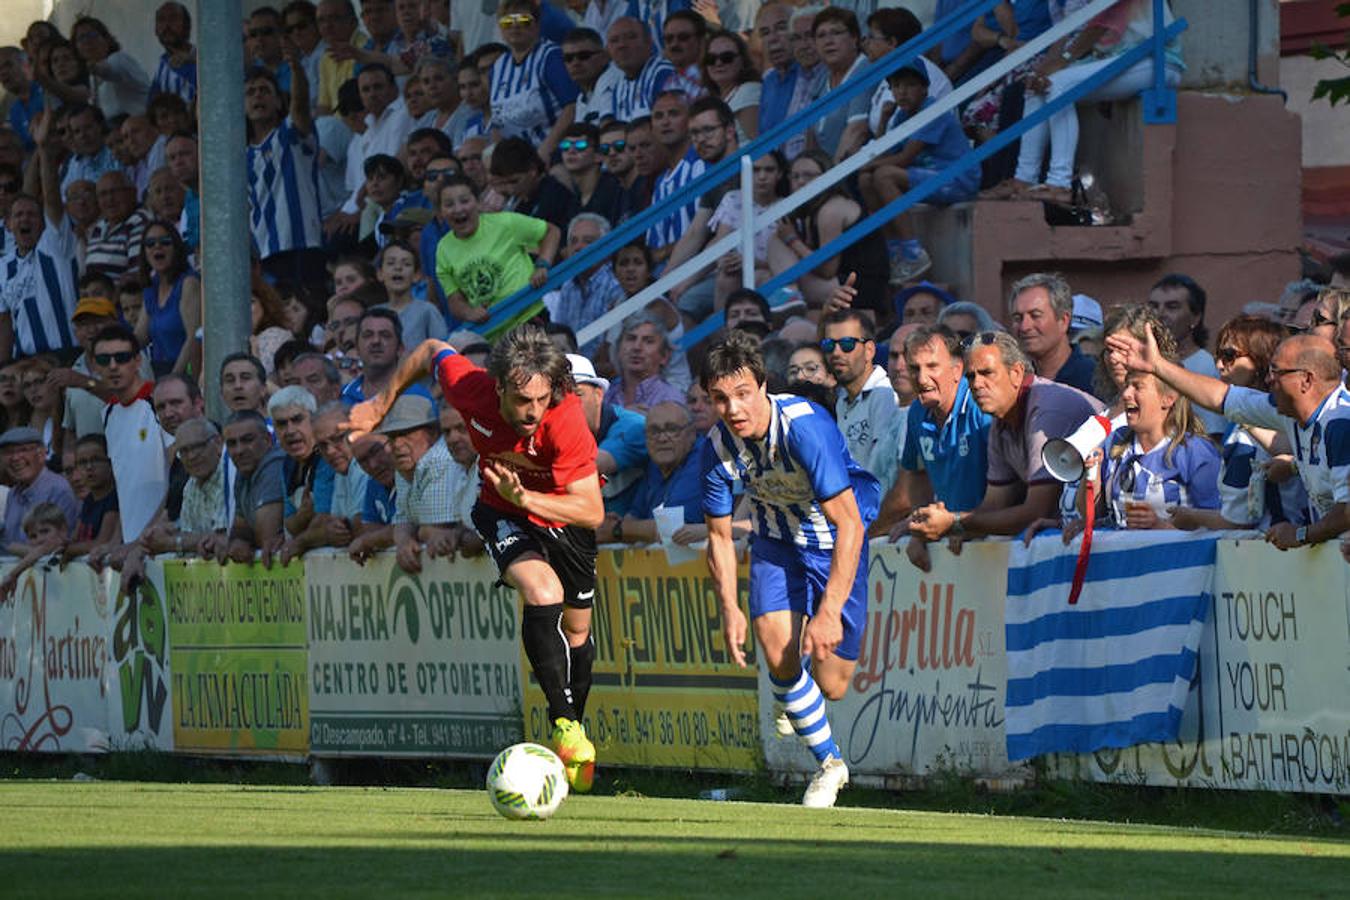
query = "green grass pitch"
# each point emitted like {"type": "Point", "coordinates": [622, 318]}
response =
{"type": "Point", "coordinates": [124, 840]}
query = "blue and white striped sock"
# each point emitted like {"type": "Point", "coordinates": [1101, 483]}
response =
{"type": "Point", "coordinates": [805, 706]}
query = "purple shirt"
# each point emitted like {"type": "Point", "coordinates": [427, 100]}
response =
{"type": "Point", "coordinates": [48, 487]}
{"type": "Point", "coordinates": [649, 393]}
{"type": "Point", "coordinates": [1044, 410]}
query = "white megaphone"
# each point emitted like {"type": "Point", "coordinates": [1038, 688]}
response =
{"type": "Point", "coordinates": [1064, 457]}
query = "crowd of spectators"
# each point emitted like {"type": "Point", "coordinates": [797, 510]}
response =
{"type": "Point", "coordinates": [411, 164]}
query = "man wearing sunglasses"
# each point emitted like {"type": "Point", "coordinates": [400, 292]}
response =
{"type": "Point", "coordinates": [1307, 403]}
{"type": "Point", "coordinates": [1026, 412]}
{"type": "Point", "coordinates": [136, 443]}
{"type": "Point", "coordinates": [532, 95]}
{"type": "Point", "coordinates": [865, 403]}
{"type": "Point", "coordinates": [644, 71]}
{"type": "Point", "coordinates": [583, 53]}
{"type": "Point", "coordinates": [593, 189]}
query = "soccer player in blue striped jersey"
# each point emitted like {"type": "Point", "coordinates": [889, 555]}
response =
{"type": "Point", "coordinates": [811, 504]}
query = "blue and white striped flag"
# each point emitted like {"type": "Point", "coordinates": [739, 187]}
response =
{"type": "Point", "coordinates": [1114, 669]}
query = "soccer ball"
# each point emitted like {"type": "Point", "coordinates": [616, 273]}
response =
{"type": "Point", "coordinates": [527, 781]}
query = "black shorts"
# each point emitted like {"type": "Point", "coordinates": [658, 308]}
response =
{"type": "Point", "coordinates": [570, 550]}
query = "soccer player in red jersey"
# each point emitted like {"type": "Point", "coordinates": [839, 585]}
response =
{"type": "Point", "coordinates": [539, 507]}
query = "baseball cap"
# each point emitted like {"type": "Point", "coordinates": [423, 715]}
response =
{"type": "Point", "coordinates": [101, 307]}
{"type": "Point", "coordinates": [583, 372]}
{"type": "Point", "coordinates": [1087, 313]}
{"type": "Point", "coordinates": [21, 435]}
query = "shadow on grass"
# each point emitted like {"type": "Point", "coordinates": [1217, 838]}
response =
{"type": "Point", "coordinates": [533, 865]}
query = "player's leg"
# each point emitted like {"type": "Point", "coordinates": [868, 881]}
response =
{"type": "Point", "coordinates": [572, 555]}
{"type": "Point", "coordinates": [520, 559]}
{"type": "Point", "coordinates": [778, 602]}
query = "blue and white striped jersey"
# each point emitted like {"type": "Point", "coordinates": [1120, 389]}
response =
{"type": "Point", "coordinates": [37, 291]}
{"type": "Point", "coordinates": [528, 96]}
{"type": "Point", "coordinates": [669, 183]}
{"type": "Point", "coordinates": [283, 191]}
{"type": "Point", "coordinates": [633, 97]}
{"type": "Point", "coordinates": [180, 80]}
{"type": "Point", "coordinates": [801, 460]}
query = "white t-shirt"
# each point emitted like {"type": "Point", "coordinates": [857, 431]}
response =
{"type": "Point", "coordinates": [136, 447]}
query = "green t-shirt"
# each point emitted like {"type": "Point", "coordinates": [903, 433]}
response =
{"type": "Point", "coordinates": [492, 263]}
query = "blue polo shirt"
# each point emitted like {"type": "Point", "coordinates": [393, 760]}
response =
{"type": "Point", "coordinates": [1077, 371]}
{"type": "Point", "coordinates": [955, 455]}
{"type": "Point", "coordinates": [683, 488]}
{"type": "Point", "coordinates": [775, 95]}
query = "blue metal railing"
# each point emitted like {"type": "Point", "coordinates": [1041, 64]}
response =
{"type": "Point", "coordinates": [728, 167]}
{"type": "Point", "coordinates": [872, 222]}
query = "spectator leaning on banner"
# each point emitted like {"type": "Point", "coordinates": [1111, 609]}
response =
{"type": "Point", "coordinates": [1027, 411]}
{"type": "Point", "coordinates": [259, 493]}
{"type": "Point", "coordinates": [31, 482]}
{"type": "Point", "coordinates": [1307, 402]}
{"type": "Point", "coordinates": [674, 481]}
{"type": "Point", "coordinates": [291, 409]}
{"type": "Point", "coordinates": [465, 484]}
{"type": "Point", "coordinates": [946, 452]}
{"type": "Point", "coordinates": [619, 434]}
{"type": "Point", "coordinates": [1040, 308]}
{"type": "Point", "coordinates": [208, 496]}
{"type": "Point", "coordinates": [423, 466]}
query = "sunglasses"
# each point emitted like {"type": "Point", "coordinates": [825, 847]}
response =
{"type": "Point", "coordinates": [579, 56]}
{"type": "Point", "coordinates": [262, 32]}
{"type": "Point", "coordinates": [1280, 373]}
{"type": "Point", "coordinates": [164, 241]}
{"type": "Point", "coordinates": [1228, 355]}
{"type": "Point", "coordinates": [721, 59]}
{"type": "Point", "coordinates": [984, 338]}
{"type": "Point", "coordinates": [848, 344]}
{"type": "Point", "coordinates": [439, 174]}
{"type": "Point", "coordinates": [615, 146]}
{"type": "Point", "coordinates": [570, 144]}
{"type": "Point", "coordinates": [517, 19]}
{"type": "Point", "coordinates": [121, 357]}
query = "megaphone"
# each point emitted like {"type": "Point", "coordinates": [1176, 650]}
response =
{"type": "Point", "coordinates": [1063, 457]}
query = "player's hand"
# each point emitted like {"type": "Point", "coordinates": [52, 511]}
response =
{"type": "Point", "coordinates": [821, 635]}
{"type": "Point", "coordinates": [365, 417]}
{"type": "Point", "coordinates": [734, 619]}
{"type": "Point", "coordinates": [917, 551]}
{"type": "Point", "coordinates": [507, 483]}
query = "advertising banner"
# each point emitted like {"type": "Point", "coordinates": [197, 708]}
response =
{"type": "Point", "coordinates": [237, 654]}
{"type": "Point", "coordinates": [1268, 710]}
{"type": "Point", "coordinates": [666, 692]}
{"type": "Point", "coordinates": [411, 665]}
{"type": "Point", "coordinates": [140, 715]}
{"type": "Point", "coordinates": [928, 689]}
{"type": "Point", "coordinates": [54, 669]}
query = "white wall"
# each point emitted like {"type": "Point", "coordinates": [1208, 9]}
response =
{"type": "Point", "coordinates": [1326, 131]}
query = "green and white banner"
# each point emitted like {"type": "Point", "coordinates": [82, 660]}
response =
{"type": "Point", "coordinates": [411, 665]}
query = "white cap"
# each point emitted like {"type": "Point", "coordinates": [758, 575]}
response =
{"type": "Point", "coordinates": [583, 372]}
{"type": "Point", "coordinates": [1087, 313]}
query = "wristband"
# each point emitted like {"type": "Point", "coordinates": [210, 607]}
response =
{"type": "Point", "coordinates": [542, 263]}
{"type": "Point", "coordinates": [1067, 55]}
{"type": "Point", "coordinates": [618, 531]}
{"type": "Point", "coordinates": [1301, 534]}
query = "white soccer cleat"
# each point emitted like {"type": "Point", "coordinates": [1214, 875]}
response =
{"type": "Point", "coordinates": [825, 784]}
{"type": "Point", "coordinates": [781, 723]}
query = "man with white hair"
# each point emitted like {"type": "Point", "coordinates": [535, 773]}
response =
{"type": "Point", "coordinates": [589, 295]}
{"type": "Point", "coordinates": [291, 410]}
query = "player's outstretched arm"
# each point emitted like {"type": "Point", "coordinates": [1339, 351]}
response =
{"type": "Point", "coordinates": [825, 630]}
{"type": "Point", "coordinates": [580, 504]}
{"type": "Point", "coordinates": [364, 417]}
{"type": "Point", "coordinates": [722, 567]}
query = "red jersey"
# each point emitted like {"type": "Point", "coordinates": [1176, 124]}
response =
{"type": "Point", "coordinates": [561, 450]}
